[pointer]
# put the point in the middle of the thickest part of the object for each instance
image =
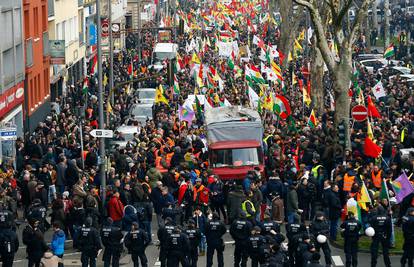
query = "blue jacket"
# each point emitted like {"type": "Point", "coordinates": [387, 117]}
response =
{"type": "Point", "coordinates": [58, 243]}
{"type": "Point", "coordinates": [130, 216]}
{"type": "Point", "coordinates": [200, 222]}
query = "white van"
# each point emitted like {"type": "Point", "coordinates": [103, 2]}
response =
{"type": "Point", "coordinates": [163, 51]}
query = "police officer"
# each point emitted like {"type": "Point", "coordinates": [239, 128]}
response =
{"type": "Point", "coordinates": [304, 250]}
{"type": "Point", "coordinates": [89, 244]}
{"type": "Point", "coordinates": [163, 234]}
{"type": "Point", "coordinates": [9, 243]}
{"type": "Point", "coordinates": [408, 231]}
{"type": "Point", "coordinates": [178, 247]}
{"type": "Point", "coordinates": [240, 231]}
{"type": "Point", "coordinates": [320, 226]}
{"type": "Point", "coordinates": [256, 243]}
{"type": "Point", "coordinates": [37, 212]}
{"type": "Point", "coordinates": [194, 236]}
{"type": "Point", "coordinates": [35, 243]}
{"type": "Point", "coordinates": [112, 240]}
{"type": "Point", "coordinates": [215, 229]}
{"type": "Point", "coordinates": [271, 229]}
{"type": "Point", "coordinates": [136, 241]}
{"type": "Point", "coordinates": [350, 230]}
{"type": "Point", "coordinates": [294, 232]}
{"type": "Point", "coordinates": [382, 225]}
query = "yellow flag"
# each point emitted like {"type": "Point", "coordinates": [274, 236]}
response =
{"type": "Point", "coordinates": [294, 80]}
{"type": "Point", "coordinates": [109, 108]}
{"type": "Point", "coordinates": [268, 102]}
{"type": "Point", "coordinates": [159, 96]}
{"type": "Point", "coordinates": [403, 135]}
{"type": "Point", "coordinates": [302, 35]}
{"type": "Point", "coordinates": [105, 80]}
{"type": "Point", "coordinates": [369, 131]}
{"type": "Point", "coordinates": [297, 45]}
{"type": "Point", "coordinates": [306, 97]}
{"type": "Point", "coordinates": [290, 57]}
{"type": "Point", "coordinates": [364, 197]}
{"type": "Point", "coordinates": [195, 59]}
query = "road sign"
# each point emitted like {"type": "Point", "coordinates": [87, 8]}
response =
{"type": "Point", "coordinates": [102, 133]}
{"type": "Point", "coordinates": [9, 133]}
{"type": "Point", "coordinates": [359, 113]}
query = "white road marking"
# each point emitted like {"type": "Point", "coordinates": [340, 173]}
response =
{"type": "Point", "coordinates": [337, 261]}
{"type": "Point", "coordinates": [229, 242]}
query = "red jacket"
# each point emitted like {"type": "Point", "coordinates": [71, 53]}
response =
{"type": "Point", "coordinates": [181, 192]}
{"type": "Point", "coordinates": [200, 195]}
{"type": "Point", "coordinates": [115, 209]}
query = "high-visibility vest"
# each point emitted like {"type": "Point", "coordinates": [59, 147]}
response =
{"type": "Point", "coordinates": [168, 158]}
{"type": "Point", "coordinates": [376, 179]}
{"type": "Point", "coordinates": [244, 208]}
{"type": "Point", "coordinates": [348, 182]}
{"type": "Point", "coordinates": [315, 170]}
{"type": "Point", "coordinates": [158, 165]}
{"type": "Point", "coordinates": [267, 137]}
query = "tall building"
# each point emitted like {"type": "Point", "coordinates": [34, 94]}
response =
{"type": "Point", "coordinates": [12, 72]}
{"type": "Point", "coordinates": [37, 85]}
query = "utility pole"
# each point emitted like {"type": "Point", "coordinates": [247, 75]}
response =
{"type": "Point", "coordinates": [139, 29]}
{"type": "Point", "coordinates": [387, 24]}
{"type": "Point", "coordinates": [111, 55]}
{"type": "Point", "coordinates": [101, 162]}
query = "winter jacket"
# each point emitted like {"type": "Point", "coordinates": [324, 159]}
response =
{"type": "Point", "coordinates": [154, 176]}
{"type": "Point", "coordinates": [292, 204]}
{"type": "Point", "coordinates": [160, 201]}
{"type": "Point", "coordinates": [58, 243]}
{"type": "Point", "coordinates": [130, 216]}
{"type": "Point", "coordinates": [335, 207]}
{"type": "Point", "coordinates": [115, 209]}
{"type": "Point", "coordinates": [216, 193]}
{"type": "Point", "coordinates": [49, 260]}
{"type": "Point", "coordinates": [35, 244]}
{"type": "Point", "coordinates": [275, 185]}
{"type": "Point", "coordinates": [278, 212]}
{"type": "Point", "coordinates": [200, 221]}
{"type": "Point", "coordinates": [234, 203]}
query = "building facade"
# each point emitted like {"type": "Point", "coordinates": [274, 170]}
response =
{"type": "Point", "coordinates": [37, 85]}
{"type": "Point", "coordinates": [66, 21]}
{"type": "Point", "coordinates": [12, 72]}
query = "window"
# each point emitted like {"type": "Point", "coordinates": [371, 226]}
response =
{"type": "Point", "coordinates": [17, 25]}
{"type": "Point", "coordinates": [8, 67]}
{"type": "Point", "coordinates": [236, 157]}
{"type": "Point", "coordinates": [44, 18]}
{"type": "Point", "coordinates": [19, 61]}
{"type": "Point", "coordinates": [38, 89]}
{"type": "Point", "coordinates": [26, 23]}
{"type": "Point", "coordinates": [31, 93]}
{"type": "Point", "coordinates": [6, 34]}
{"type": "Point", "coordinates": [36, 21]}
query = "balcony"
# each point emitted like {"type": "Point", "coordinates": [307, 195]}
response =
{"type": "Point", "coordinates": [29, 52]}
{"type": "Point", "coordinates": [50, 8]}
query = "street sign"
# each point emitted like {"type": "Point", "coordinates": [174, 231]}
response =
{"type": "Point", "coordinates": [359, 113]}
{"type": "Point", "coordinates": [102, 133]}
{"type": "Point", "coordinates": [8, 133]}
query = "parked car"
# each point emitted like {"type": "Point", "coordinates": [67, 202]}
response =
{"type": "Point", "coordinates": [141, 112]}
{"type": "Point", "coordinates": [145, 95]}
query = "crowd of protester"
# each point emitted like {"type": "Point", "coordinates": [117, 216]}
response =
{"type": "Point", "coordinates": [54, 184]}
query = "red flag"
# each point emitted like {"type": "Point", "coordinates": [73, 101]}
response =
{"type": "Point", "coordinates": [264, 30]}
{"type": "Point", "coordinates": [372, 110]}
{"type": "Point", "coordinates": [281, 57]}
{"type": "Point", "coordinates": [300, 82]}
{"type": "Point", "coordinates": [371, 149]}
{"type": "Point", "coordinates": [309, 87]}
{"type": "Point", "coordinates": [350, 92]}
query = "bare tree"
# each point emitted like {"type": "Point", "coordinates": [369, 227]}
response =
{"type": "Point", "coordinates": [290, 22]}
{"type": "Point", "coordinates": [340, 69]}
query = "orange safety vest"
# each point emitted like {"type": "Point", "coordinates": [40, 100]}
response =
{"type": "Point", "coordinates": [376, 179]}
{"type": "Point", "coordinates": [348, 182]}
{"type": "Point", "coordinates": [158, 165]}
{"type": "Point", "coordinates": [168, 158]}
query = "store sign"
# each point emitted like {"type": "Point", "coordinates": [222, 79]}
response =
{"type": "Point", "coordinates": [8, 133]}
{"type": "Point", "coordinates": [57, 52]}
{"type": "Point", "coordinates": [11, 98]}
{"type": "Point", "coordinates": [92, 34]}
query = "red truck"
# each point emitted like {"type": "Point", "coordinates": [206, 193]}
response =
{"type": "Point", "coordinates": [234, 137]}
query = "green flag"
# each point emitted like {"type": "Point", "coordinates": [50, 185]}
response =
{"type": "Point", "coordinates": [198, 107]}
{"type": "Point", "coordinates": [384, 191]}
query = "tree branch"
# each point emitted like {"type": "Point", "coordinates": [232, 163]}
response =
{"type": "Point", "coordinates": [320, 33]}
{"type": "Point", "coordinates": [358, 20]}
{"type": "Point", "coordinates": [343, 12]}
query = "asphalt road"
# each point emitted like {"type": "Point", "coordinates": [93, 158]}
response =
{"type": "Point", "coordinates": [72, 257]}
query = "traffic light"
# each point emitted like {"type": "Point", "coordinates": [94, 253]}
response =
{"type": "Point", "coordinates": [342, 133]}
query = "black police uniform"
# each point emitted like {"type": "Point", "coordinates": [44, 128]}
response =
{"type": "Point", "coordinates": [38, 213]}
{"type": "Point", "coordinates": [294, 232]}
{"type": "Point", "coordinates": [383, 227]}
{"type": "Point", "coordinates": [194, 236]}
{"type": "Point", "coordinates": [112, 240]}
{"type": "Point", "coordinates": [267, 226]}
{"type": "Point", "coordinates": [240, 232]}
{"type": "Point", "coordinates": [351, 228]}
{"type": "Point", "coordinates": [408, 247]}
{"type": "Point", "coordinates": [303, 252]}
{"type": "Point", "coordinates": [9, 245]}
{"type": "Point", "coordinates": [89, 245]}
{"type": "Point", "coordinates": [215, 229]}
{"type": "Point", "coordinates": [163, 234]}
{"type": "Point", "coordinates": [255, 248]}
{"type": "Point", "coordinates": [136, 242]}
{"type": "Point", "coordinates": [178, 247]}
{"type": "Point", "coordinates": [6, 219]}
{"type": "Point", "coordinates": [321, 227]}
